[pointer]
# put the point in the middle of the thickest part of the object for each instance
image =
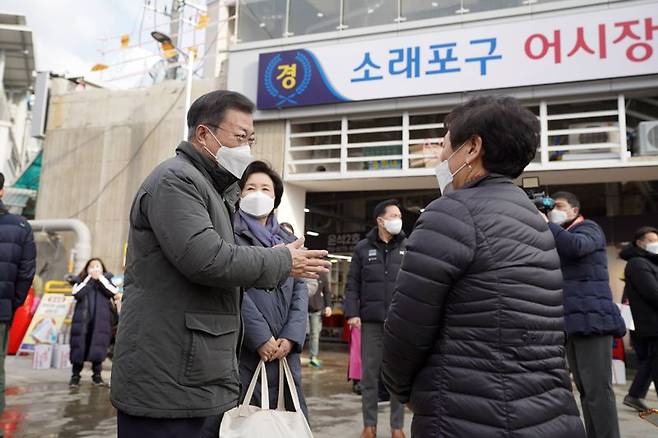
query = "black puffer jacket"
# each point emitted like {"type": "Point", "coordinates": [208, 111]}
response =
{"type": "Point", "coordinates": [475, 334]}
{"type": "Point", "coordinates": [91, 328]}
{"type": "Point", "coordinates": [371, 278]}
{"type": "Point", "coordinates": [17, 262]}
{"type": "Point", "coordinates": [641, 289]}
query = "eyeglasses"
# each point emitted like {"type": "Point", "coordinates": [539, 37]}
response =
{"type": "Point", "coordinates": [240, 138]}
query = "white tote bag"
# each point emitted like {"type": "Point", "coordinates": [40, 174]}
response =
{"type": "Point", "coordinates": [246, 421]}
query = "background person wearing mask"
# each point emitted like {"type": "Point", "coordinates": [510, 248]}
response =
{"type": "Point", "coordinates": [370, 285]}
{"type": "Point", "coordinates": [17, 268]}
{"type": "Point", "coordinates": [91, 328]}
{"type": "Point", "coordinates": [175, 369]}
{"type": "Point", "coordinates": [641, 290]}
{"type": "Point", "coordinates": [591, 318]}
{"type": "Point", "coordinates": [474, 339]}
{"type": "Point", "coordinates": [274, 319]}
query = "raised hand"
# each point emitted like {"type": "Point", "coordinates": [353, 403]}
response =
{"type": "Point", "coordinates": [307, 263]}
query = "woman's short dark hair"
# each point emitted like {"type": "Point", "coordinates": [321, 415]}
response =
{"type": "Point", "coordinates": [569, 197]}
{"type": "Point", "coordinates": [83, 274]}
{"type": "Point", "coordinates": [380, 209]}
{"type": "Point", "coordinates": [210, 108]}
{"type": "Point", "coordinates": [509, 132]}
{"type": "Point", "coordinates": [263, 167]}
{"type": "Point", "coordinates": [642, 232]}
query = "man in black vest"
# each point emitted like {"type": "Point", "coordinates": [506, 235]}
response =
{"type": "Point", "coordinates": [370, 286]}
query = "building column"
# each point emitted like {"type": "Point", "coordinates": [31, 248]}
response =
{"type": "Point", "coordinates": [613, 199]}
{"type": "Point", "coordinates": [292, 207]}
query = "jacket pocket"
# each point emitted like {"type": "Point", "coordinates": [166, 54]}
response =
{"type": "Point", "coordinates": [210, 357]}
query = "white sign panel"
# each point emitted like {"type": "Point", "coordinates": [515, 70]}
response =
{"type": "Point", "coordinates": [612, 43]}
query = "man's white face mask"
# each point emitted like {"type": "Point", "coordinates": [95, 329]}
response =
{"type": "Point", "coordinates": [393, 226]}
{"type": "Point", "coordinates": [257, 204]}
{"type": "Point", "coordinates": [558, 217]}
{"type": "Point", "coordinates": [235, 160]}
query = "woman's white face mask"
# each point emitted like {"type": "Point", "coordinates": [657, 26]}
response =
{"type": "Point", "coordinates": [257, 204]}
{"type": "Point", "coordinates": [443, 174]}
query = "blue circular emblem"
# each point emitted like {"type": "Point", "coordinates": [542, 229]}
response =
{"type": "Point", "coordinates": [286, 81]}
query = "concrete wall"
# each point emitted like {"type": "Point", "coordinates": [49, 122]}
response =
{"type": "Point", "coordinates": [270, 141]}
{"type": "Point", "coordinates": [100, 145]}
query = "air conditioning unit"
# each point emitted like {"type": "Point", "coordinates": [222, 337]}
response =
{"type": "Point", "coordinates": [647, 138]}
{"type": "Point", "coordinates": [597, 134]}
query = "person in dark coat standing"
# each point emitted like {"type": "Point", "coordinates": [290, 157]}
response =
{"type": "Point", "coordinates": [91, 329]}
{"type": "Point", "coordinates": [370, 284]}
{"type": "Point", "coordinates": [641, 290]}
{"type": "Point", "coordinates": [175, 365]}
{"type": "Point", "coordinates": [591, 317]}
{"type": "Point", "coordinates": [474, 339]}
{"type": "Point", "coordinates": [274, 319]}
{"type": "Point", "coordinates": [17, 268]}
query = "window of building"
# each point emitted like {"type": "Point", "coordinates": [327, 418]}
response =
{"type": "Point", "coordinates": [424, 9]}
{"type": "Point", "coordinates": [271, 19]}
{"type": "Point", "coordinates": [313, 16]}
{"type": "Point", "coordinates": [363, 13]}
{"type": "Point", "coordinates": [580, 132]}
{"type": "Point", "coordinates": [490, 5]}
{"type": "Point", "coordinates": [261, 19]}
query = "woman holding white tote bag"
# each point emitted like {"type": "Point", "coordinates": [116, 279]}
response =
{"type": "Point", "coordinates": [247, 421]}
{"type": "Point", "coordinates": [274, 319]}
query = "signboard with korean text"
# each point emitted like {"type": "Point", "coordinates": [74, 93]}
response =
{"type": "Point", "coordinates": [343, 242]}
{"type": "Point", "coordinates": [335, 243]}
{"type": "Point", "coordinates": [616, 42]}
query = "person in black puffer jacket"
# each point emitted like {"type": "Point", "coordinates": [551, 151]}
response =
{"type": "Point", "coordinates": [474, 339]}
{"type": "Point", "coordinates": [370, 284]}
{"type": "Point", "coordinates": [591, 317]}
{"type": "Point", "coordinates": [91, 329]}
{"type": "Point", "coordinates": [641, 290]}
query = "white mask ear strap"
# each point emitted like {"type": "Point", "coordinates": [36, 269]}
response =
{"type": "Point", "coordinates": [455, 151]}
{"type": "Point", "coordinates": [213, 136]}
{"type": "Point", "coordinates": [461, 167]}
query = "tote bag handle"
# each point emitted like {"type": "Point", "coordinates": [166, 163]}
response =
{"type": "Point", "coordinates": [264, 391]}
{"type": "Point", "coordinates": [286, 374]}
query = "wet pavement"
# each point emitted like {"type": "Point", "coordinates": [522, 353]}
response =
{"type": "Point", "coordinates": [40, 403]}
